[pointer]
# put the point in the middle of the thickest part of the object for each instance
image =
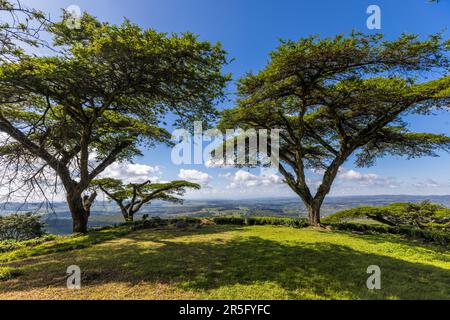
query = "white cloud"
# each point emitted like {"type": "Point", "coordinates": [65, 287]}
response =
{"type": "Point", "coordinates": [244, 179]}
{"type": "Point", "coordinates": [366, 179]}
{"type": "Point", "coordinates": [132, 172]}
{"type": "Point", "coordinates": [351, 179]}
{"type": "Point", "coordinates": [428, 183]}
{"type": "Point", "coordinates": [352, 175]}
{"type": "Point", "coordinates": [195, 176]}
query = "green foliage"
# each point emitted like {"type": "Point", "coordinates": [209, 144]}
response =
{"type": "Point", "coordinates": [424, 215]}
{"type": "Point", "coordinates": [20, 227]}
{"type": "Point", "coordinates": [129, 78]}
{"type": "Point", "coordinates": [131, 197]}
{"type": "Point", "coordinates": [10, 245]}
{"type": "Point", "coordinates": [250, 221]}
{"type": "Point", "coordinates": [7, 273]}
{"type": "Point", "coordinates": [341, 96]}
{"type": "Point", "coordinates": [350, 214]}
{"type": "Point", "coordinates": [117, 190]}
{"type": "Point", "coordinates": [241, 262]}
{"type": "Point", "coordinates": [101, 96]}
{"type": "Point", "coordinates": [229, 220]}
{"type": "Point", "coordinates": [425, 221]}
{"type": "Point", "coordinates": [68, 243]}
{"type": "Point", "coordinates": [288, 222]}
{"type": "Point", "coordinates": [433, 236]}
{"type": "Point", "coordinates": [291, 94]}
{"type": "Point", "coordinates": [10, 251]}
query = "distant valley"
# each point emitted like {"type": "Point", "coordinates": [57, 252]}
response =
{"type": "Point", "coordinates": [58, 219]}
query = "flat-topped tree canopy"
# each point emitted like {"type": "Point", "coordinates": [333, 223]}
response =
{"type": "Point", "coordinates": [102, 97]}
{"type": "Point", "coordinates": [132, 197]}
{"type": "Point", "coordinates": [335, 97]}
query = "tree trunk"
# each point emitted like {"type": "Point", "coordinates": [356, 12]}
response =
{"type": "Point", "coordinates": [80, 215]}
{"type": "Point", "coordinates": [80, 223]}
{"type": "Point", "coordinates": [314, 215]}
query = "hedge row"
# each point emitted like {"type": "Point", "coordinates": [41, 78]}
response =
{"type": "Point", "coordinates": [240, 221]}
{"type": "Point", "coordinates": [438, 237]}
{"type": "Point", "coordinates": [253, 221]}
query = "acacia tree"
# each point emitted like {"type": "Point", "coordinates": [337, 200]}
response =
{"type": "Point", "coordinates": [337, 97]}
{"type": "Point", "coordinates": [131, 197]}
{"type": "Point", "coordinates": [101, 98]}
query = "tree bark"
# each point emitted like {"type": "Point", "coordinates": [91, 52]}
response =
{"type": "Point", "coordinates": [314, 215]}
{"type": "Point", "coordinates": [80, 208]}
{"type": "Point", "coordinates": [127, 216]}
{"type": "Point", "coordinates": [80, 215]}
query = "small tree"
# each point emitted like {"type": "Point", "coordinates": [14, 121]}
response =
{"type": "Point", "coordinates": [333, 98]}
{"type": "Point", "coordinates": [98, 101]}
{"type": "Point", "coordinates": [21, 226]}
{"type": "Point", "coordinates": [131, 197]}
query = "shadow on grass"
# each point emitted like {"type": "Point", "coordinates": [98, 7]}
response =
{"type": "Point", "coordinates": [97, 237]}
{"type": "Point", "coordinates": [321, 269]}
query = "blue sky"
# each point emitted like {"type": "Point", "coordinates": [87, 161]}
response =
{"type": "Point", "coordinates": [249, 30]}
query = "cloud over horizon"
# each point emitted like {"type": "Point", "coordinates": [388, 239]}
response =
{"type": "Point", "coordinates": [195, 176]}
{"type": "Point", "coordinates": [132, 172]}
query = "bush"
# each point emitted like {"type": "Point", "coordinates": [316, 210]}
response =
{"type": "Point", "coordinates": [434, 236]}
{"type": "Point", "coordinates": [156, 222]}
{"type": "Point", "coordinates": [7, 273]}
{"type": "Point", "coordinates": [251, 221]}
{"type": "Point", "coordinates": [350, 214]}
{"type": "Point", "coordinates": [229, 220]}
{"type": "Point", "coordinates": [10, 245]}
{"type": "Point", "coordinates": [21, 227]}
{"type": "Point", "coordinates": [423, 215]}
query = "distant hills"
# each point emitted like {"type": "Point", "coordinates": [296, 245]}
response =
{"type": "Point", "coordinates": [57, 216]}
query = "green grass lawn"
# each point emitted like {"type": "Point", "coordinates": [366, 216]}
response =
{"type": "Point", "coordinates": [230, 262]}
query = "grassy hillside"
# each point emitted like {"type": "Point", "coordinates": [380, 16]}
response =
{"type": "Point", "coordinates": [228, 262]}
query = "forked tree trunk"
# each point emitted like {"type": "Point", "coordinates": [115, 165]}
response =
{"type": "Point", "coordinates": [80, 216]}
{"type": "Point", "coordinates": [127, 216]}
{"type": "Point", "coordinates": [80, 209]}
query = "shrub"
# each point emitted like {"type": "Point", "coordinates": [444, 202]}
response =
{"type": "Point", "coordinates": [155, 222]}
{"type": "Point", "coordinates": [434, 236]}
{"type": "Point", "coordinates": [350, 214]}
{"type": "Point", "coordinates": [10, 245]}
{"type": "Point", "coordinates": [250, 221]}
{"type": "Point", "coordinates": [21, 227]}
{"type": "Point", "coordinates": [423, 215]}
{"type": "Point", "coordinates": [229, 220]}
{"type": "Point", "coordinates": [7, 273]}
